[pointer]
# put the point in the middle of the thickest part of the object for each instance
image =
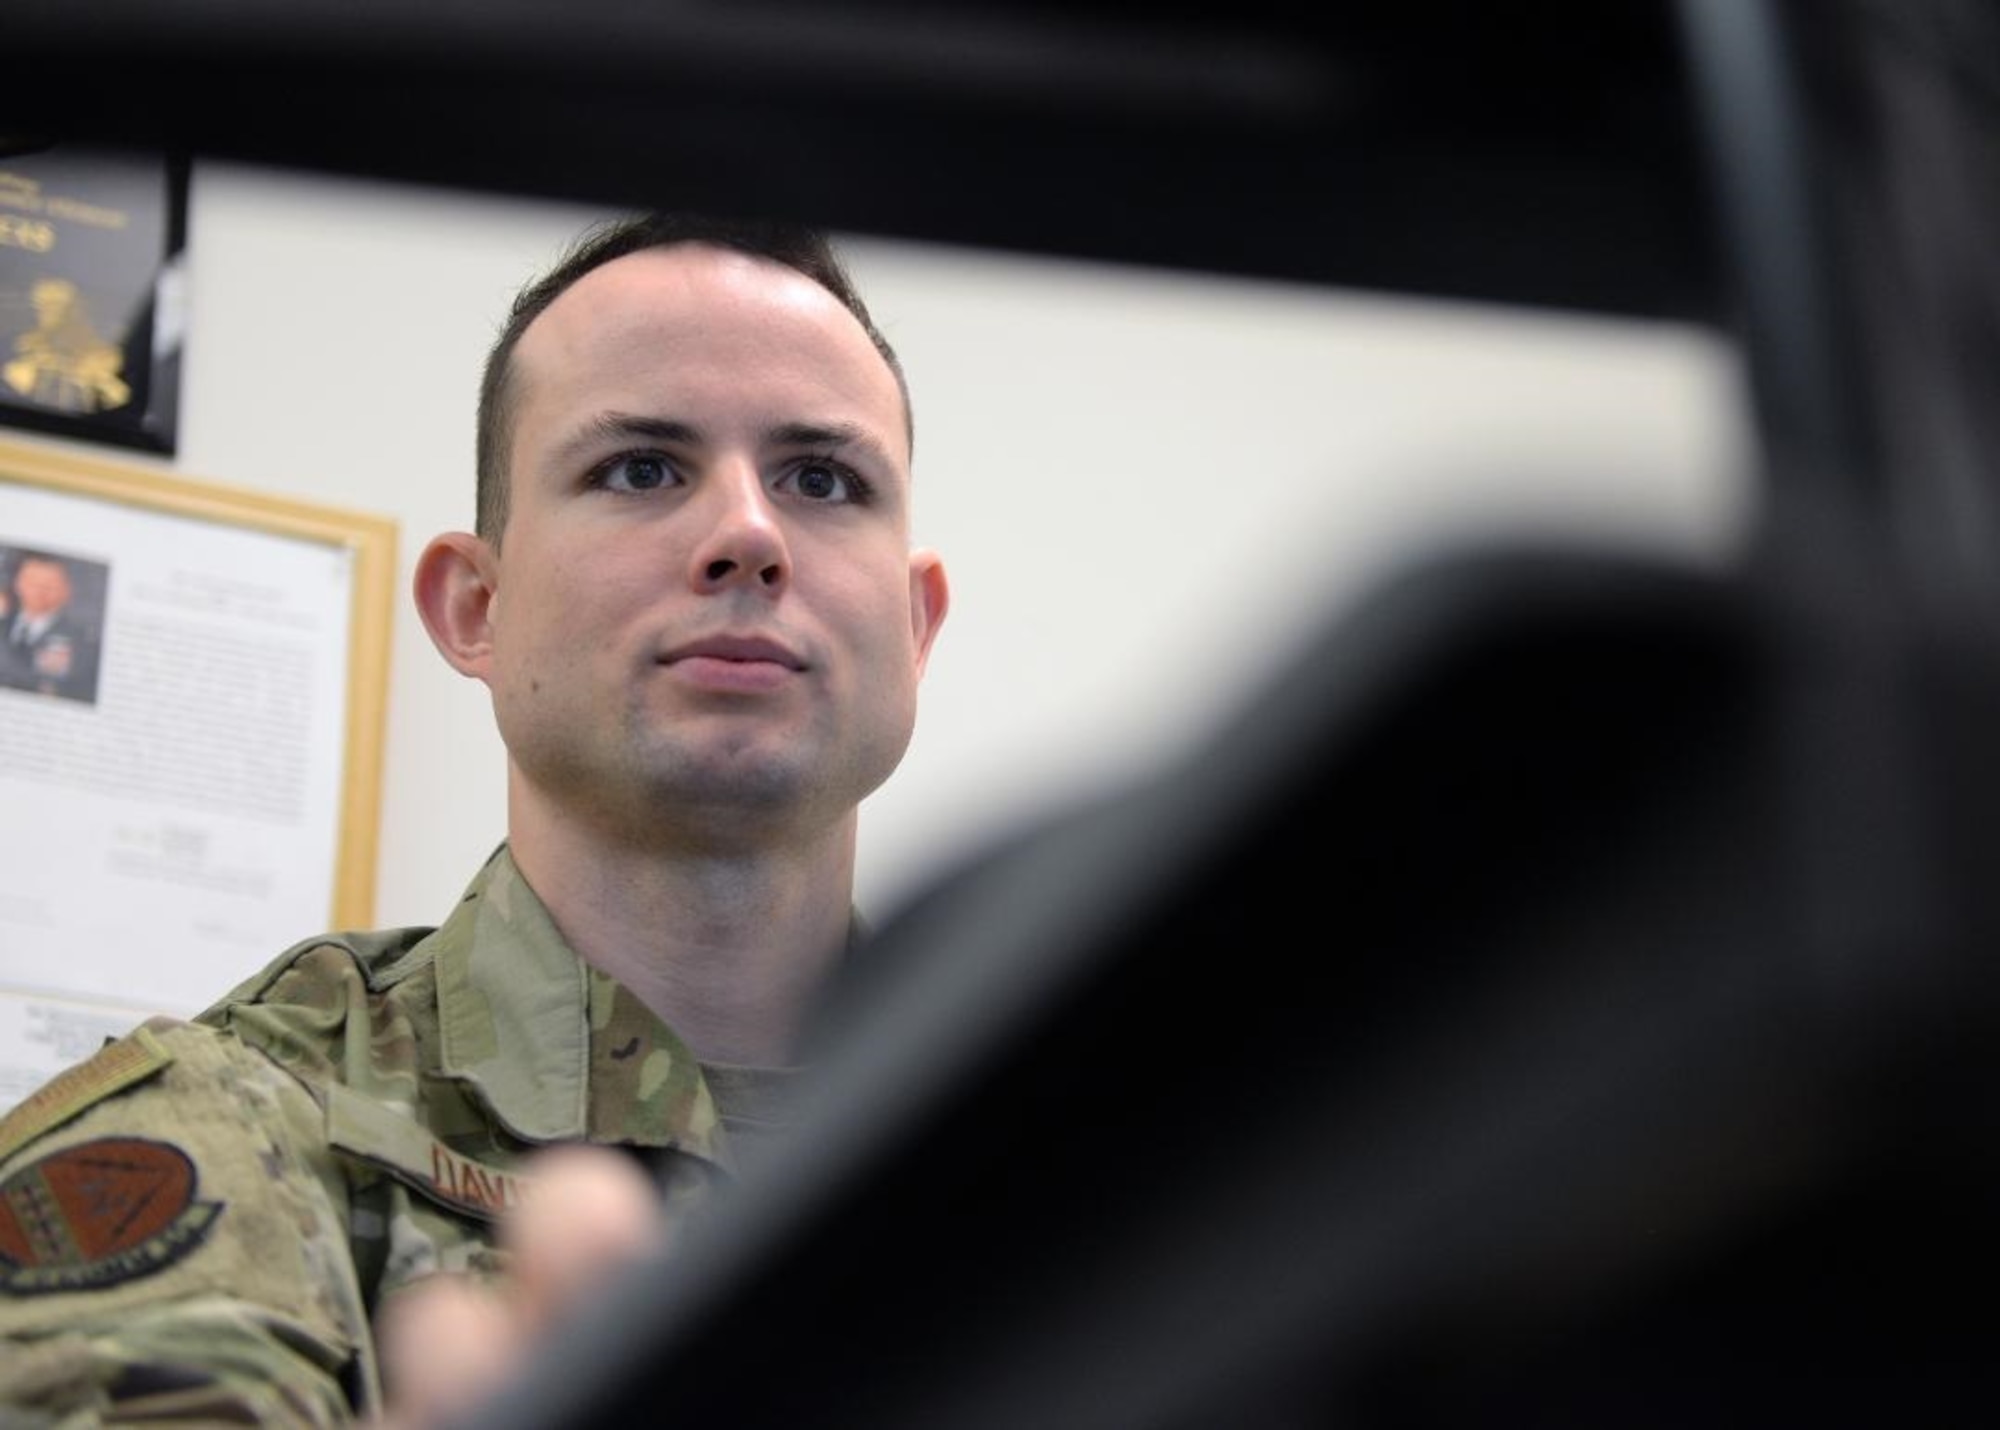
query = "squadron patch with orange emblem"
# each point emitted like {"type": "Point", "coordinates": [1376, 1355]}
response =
{"type": "Point", "coordinates": [99, 1213]}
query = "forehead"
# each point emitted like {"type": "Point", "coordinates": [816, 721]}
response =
{"type": "Point", "coordinates": [691, 323]}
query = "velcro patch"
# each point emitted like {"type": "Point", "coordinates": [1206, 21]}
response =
{"type": "Point", "coordinates": [99, 1213]}
{"type": "Point", "coordinates": [112, 1068]}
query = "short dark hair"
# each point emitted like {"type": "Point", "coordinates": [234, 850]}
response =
{"type": "Point", "coordinates": [804, 249]}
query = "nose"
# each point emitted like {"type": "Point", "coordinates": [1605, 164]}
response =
{"type": "Point", "coordinates": [743, 543]}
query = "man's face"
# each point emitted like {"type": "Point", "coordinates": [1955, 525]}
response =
{"type": "Point", "coordinates": [705, 606]}
{"type": "Point", "coordinates": [43, 587]}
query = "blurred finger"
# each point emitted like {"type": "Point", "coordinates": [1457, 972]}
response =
{"type": "Point", "coordinates": [443, 1343]}
{"type": "Point", "coordinates": [593, 1212]}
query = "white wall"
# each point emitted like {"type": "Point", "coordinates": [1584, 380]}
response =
{"type": "Point", "coordinates": [1145, 486]}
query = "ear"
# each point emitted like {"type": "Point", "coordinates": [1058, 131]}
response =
{"type": "Point", "coordinates": [930, 598]}
{"type": "Point", "coordinates": [455, 584]}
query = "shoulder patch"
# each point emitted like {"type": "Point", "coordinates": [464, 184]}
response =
{"type": "Point", "coordinates": [99, 1213]}
{"type": "Point", "coordinates": [112, 1068]}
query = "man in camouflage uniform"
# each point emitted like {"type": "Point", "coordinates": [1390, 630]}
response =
{"type": "Point", "coordinates": [702, 633]}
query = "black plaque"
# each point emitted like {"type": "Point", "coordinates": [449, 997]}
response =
{"type": "Point", "coordinates": [91, 311]}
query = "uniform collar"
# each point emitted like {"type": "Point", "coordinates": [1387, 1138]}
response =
{"type": "Point", "coordinates": [556, 1050]}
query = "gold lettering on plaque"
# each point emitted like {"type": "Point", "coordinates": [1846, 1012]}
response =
{"type": "Point", "coordinates": [20, 192]}
{"type": "Point", "coordinates": [29, 233]}
{"type": "Point", "coordinates": [95, 215]}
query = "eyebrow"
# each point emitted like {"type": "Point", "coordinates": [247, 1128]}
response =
{"type": "Point", "coordinates": [826, 435]}
{"type": "Point", "coordinates": [620, 426]}
{"type": "Point", "coordinates": [617, 426]}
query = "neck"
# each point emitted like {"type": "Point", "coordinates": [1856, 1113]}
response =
{"type": "Point", "coordinates": [729, 950]}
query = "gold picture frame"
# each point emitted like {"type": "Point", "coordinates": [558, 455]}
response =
{"type": "Point", "coordinates": [187, 731]}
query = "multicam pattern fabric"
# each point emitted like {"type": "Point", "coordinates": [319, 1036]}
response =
{"type": "Point", "coordinates": [357, 1114]}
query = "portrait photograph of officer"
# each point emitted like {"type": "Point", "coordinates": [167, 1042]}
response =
{"type": "Point", "coordinates": [51, 622]}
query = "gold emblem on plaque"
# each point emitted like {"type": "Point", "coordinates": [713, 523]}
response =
{"type": "Point", "coordinates": [63, 362]}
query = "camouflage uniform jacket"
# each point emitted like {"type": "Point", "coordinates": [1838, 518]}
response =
{"type": "Point", "coordinates": [201, 1222]}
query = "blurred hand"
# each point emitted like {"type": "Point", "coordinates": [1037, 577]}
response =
{"type": "Point", "coordinates": [449, 1342]}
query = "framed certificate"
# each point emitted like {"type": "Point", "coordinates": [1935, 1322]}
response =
{"type": "Point", "coordinates": [191, 716]}
{"type": "Point", "coordinates": [92, 317]}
